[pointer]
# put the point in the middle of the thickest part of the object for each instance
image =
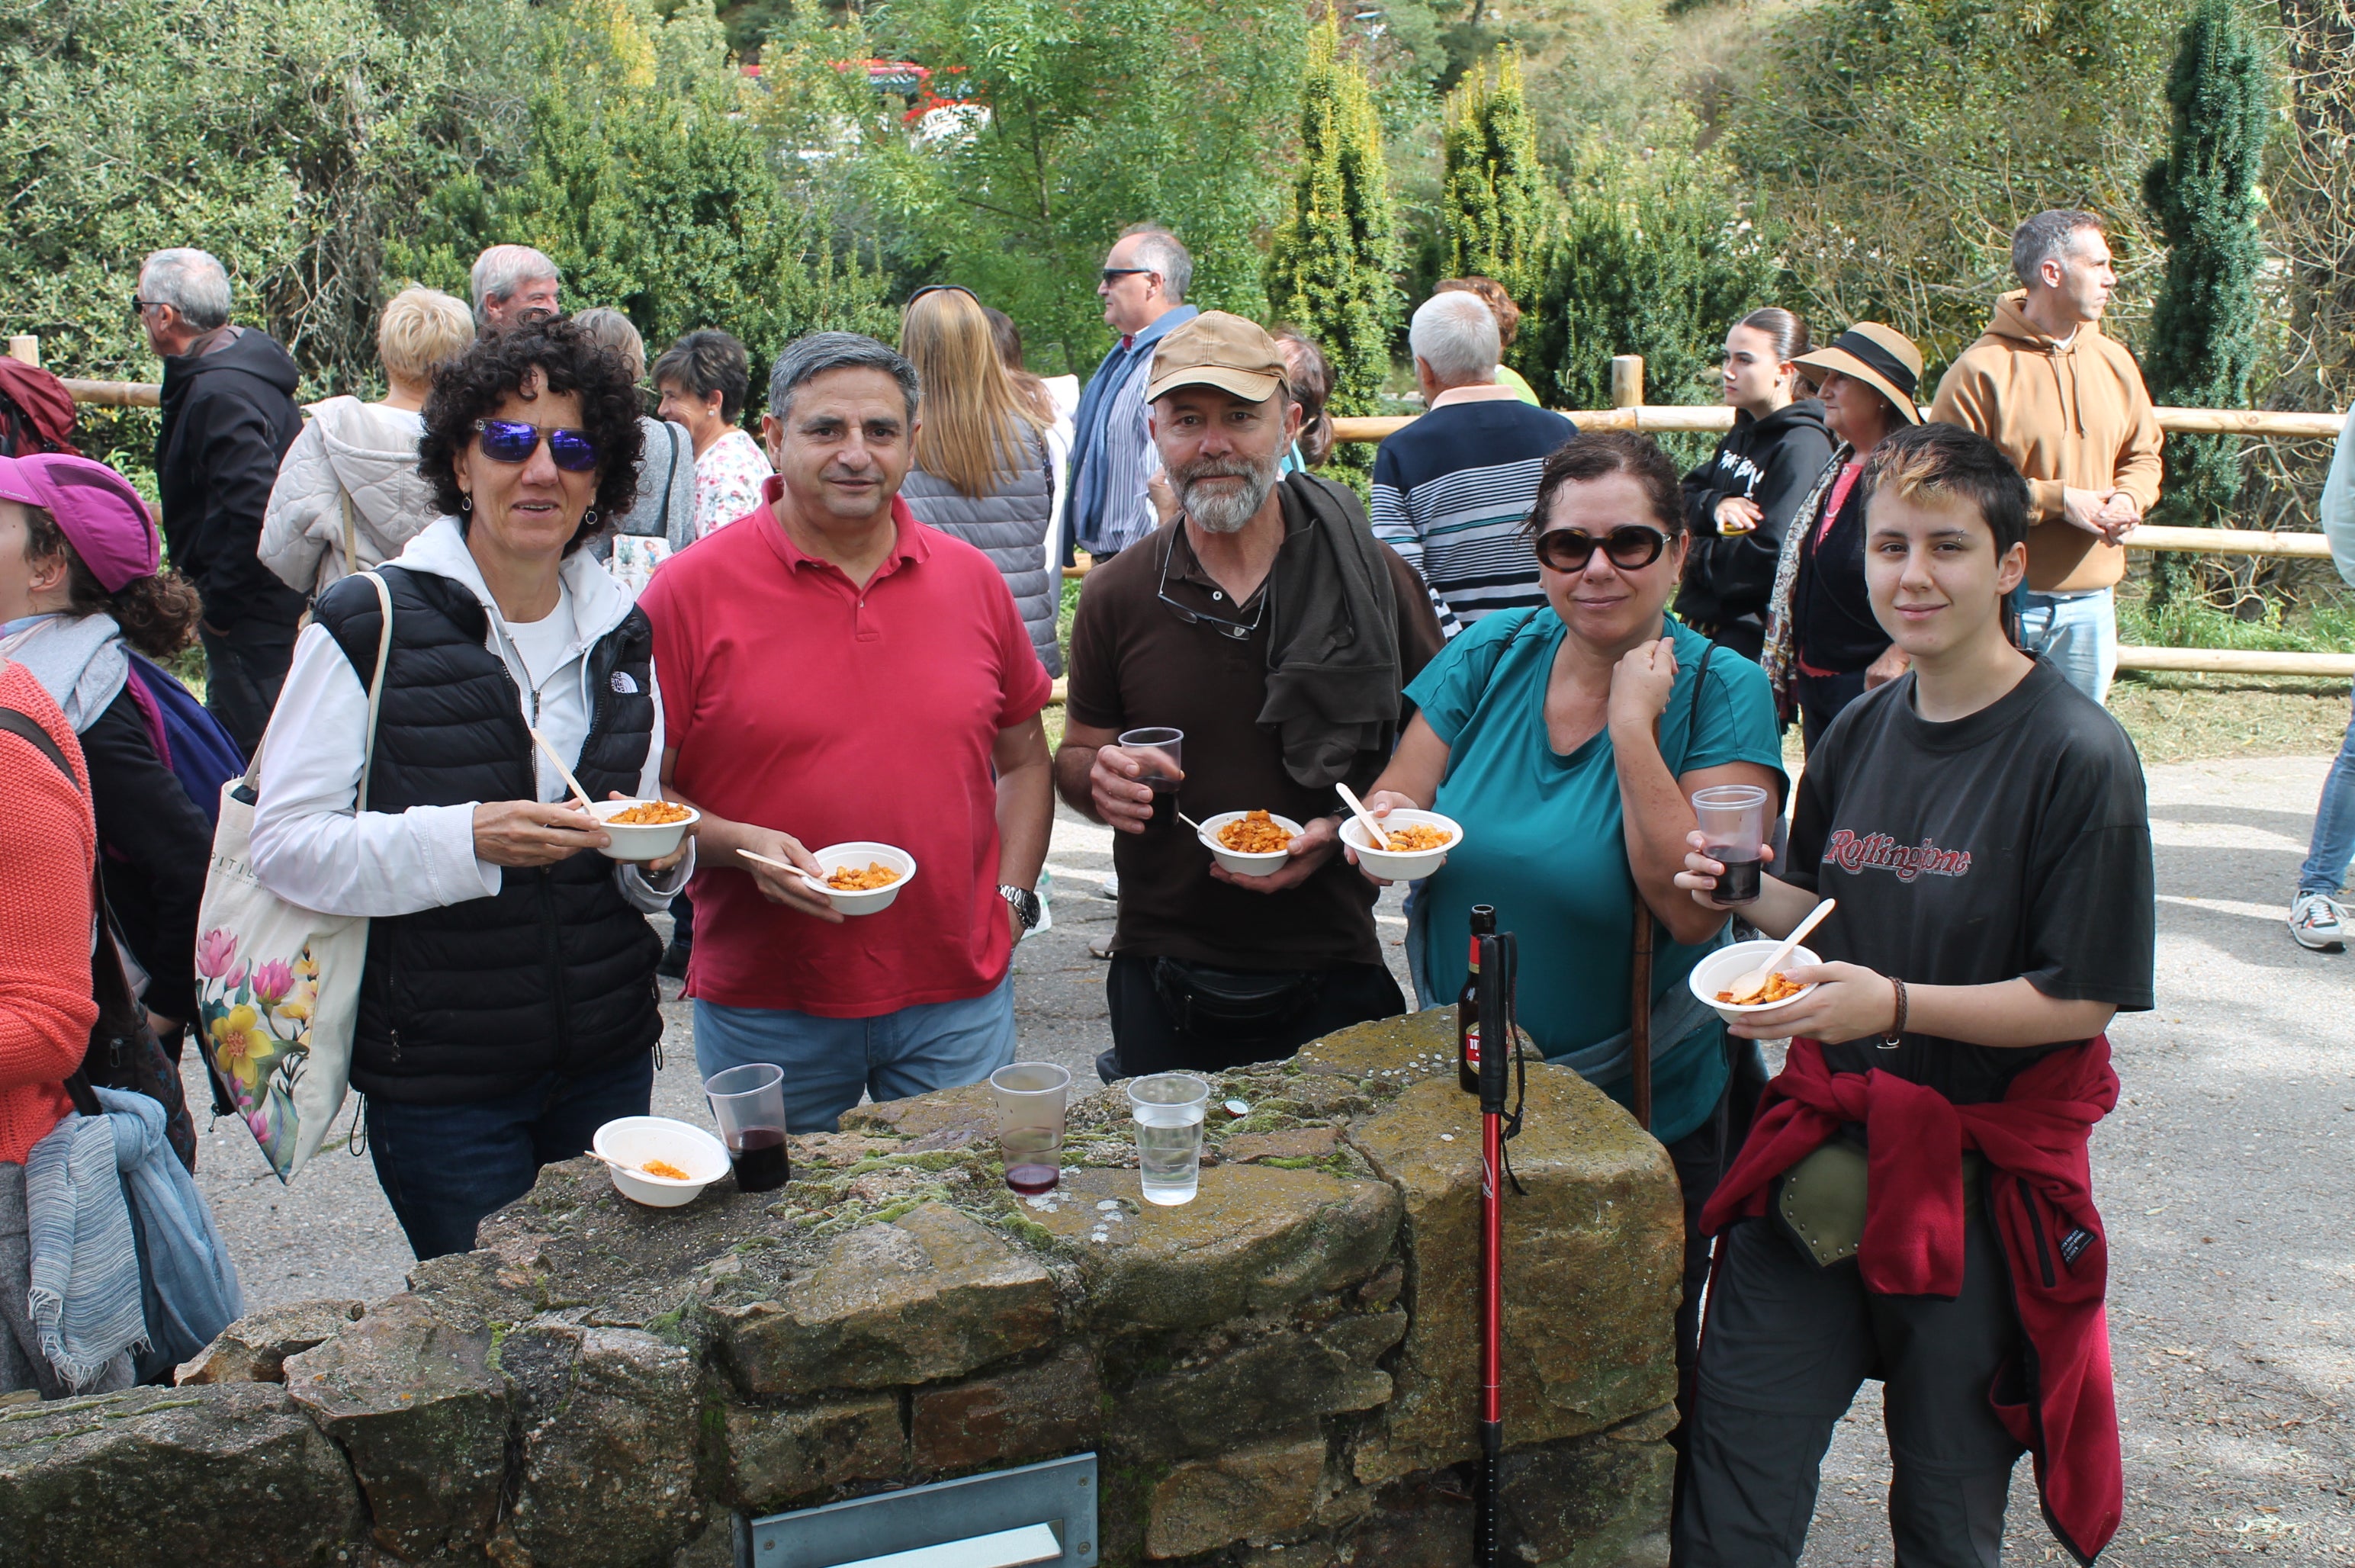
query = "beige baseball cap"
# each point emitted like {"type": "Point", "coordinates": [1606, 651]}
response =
{"type": "Point", "coordinates": [1216, 349]}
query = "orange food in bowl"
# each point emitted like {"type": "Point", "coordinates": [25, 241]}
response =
{"type": "Point", "coordinates": [665, 1169]}
{"type": "Point", "coordinates": [1414, 837]}
{"type": "Point", "coordinates": [1780, 987]}
{"type": "Point", "coordinates": [1256, 833]}
{"type": "Point", "coordinates": [651, 814]}
{"type": "Point", "coordinates": [851, 879]}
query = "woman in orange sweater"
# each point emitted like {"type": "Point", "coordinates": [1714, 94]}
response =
{"type": "Point", "coordinates": [49, 845]}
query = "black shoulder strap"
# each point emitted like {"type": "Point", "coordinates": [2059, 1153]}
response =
{"type": "Point", "coordinates": [1692, 714]}
{"type": "Point", "coordinates": [18, 723]}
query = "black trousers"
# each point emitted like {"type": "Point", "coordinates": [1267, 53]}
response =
{"type": "Point", "coordinates": [243, 670]}
{"type": "Point", "coordinates": [1146, 1039]}
{"type": "Point", "coordinates": [1821, 699]}
{"type": "Point", "coordinates": [1787, 1347]}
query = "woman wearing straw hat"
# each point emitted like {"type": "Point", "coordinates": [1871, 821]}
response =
{"type": "Point", "coordinates": [1824, 648]}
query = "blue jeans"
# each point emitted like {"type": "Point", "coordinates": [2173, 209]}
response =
{"type": "Point", "coordinates": [445, 1168]}
{"type": "Point", "coordinates": [2334, 825]}
{"type": "Point", "coordinates": [829, 1062]}
{"type": "Point", "coordinates": [2078, 632]}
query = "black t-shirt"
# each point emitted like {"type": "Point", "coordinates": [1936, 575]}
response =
{"type": "Point", "coordinates": [1134, 663]}
{"type": "Point", "coordinates": [2014, 842]}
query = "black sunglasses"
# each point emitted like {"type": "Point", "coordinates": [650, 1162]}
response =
{"type": "Point", "coordinates": [941, 289]}
{"type": "Point", "coordinates": [1112, 273]}
{"type": "Point", "coordinates": [139, 307]}
{"type": "Point", "coordinates": [514, 440]}
{"type": "Point", "coordinates": [1630, 546]}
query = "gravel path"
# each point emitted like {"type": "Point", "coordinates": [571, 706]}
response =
{"type": "Point", "coordinates": [2224, 1177]}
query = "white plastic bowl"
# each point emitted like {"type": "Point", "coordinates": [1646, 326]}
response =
{"type": "Point", "coordinates": [1392, 865]}
{"type": "Point", "coordinates": [1718, 971]}
{"type": "Point", "coordinates": [637, 1139]}
{"type": "Point", "coordinates": [858, 855]}
{"type": "Point", "coordinates": [1235, 861]}
{"type": "Point", "coordinates": [640, 840]}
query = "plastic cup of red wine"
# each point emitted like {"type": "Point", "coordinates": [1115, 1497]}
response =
{"type": "Point", "coordinates": [749, 1103]}
{"type": "Point", "coordinates": [1732, 819]}
{"type": "Point", "coordinates": [1163, 754]}
{"type": "Point", "coordinates": [1031, 1097]}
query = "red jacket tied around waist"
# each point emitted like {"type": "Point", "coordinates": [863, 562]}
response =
{"type": "Point", "coordinates": [2039, 1197]}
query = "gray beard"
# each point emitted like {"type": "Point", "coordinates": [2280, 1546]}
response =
{"type": "Point", "coordinates": [1223, 511]}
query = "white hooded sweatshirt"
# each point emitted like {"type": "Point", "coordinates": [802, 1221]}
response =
{"type": "Point", "coordinates": [350, 448]}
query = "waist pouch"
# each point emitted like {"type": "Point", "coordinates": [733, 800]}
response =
{"type": "Point", "coordinates": [1820, 1200]}
{"type": "Point", "coordinates": [1233, 1003]}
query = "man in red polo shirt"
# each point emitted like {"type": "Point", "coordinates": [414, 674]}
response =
{"type": "Point", "coordinates": [834, 670]}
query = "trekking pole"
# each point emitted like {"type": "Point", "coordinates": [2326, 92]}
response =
{"type": "Point", "coordinates": [1498, 957]}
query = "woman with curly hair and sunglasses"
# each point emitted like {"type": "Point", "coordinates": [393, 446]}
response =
{"type": "Point", "coordinates": [508, 1007]}
{"type": "Point", "coordinates": [1568, 738]}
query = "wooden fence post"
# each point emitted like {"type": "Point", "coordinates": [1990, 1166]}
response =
{"type": "Point", "coordinates": [1627, 380]}
{"type": "Point", "coordinates": [27, 349]}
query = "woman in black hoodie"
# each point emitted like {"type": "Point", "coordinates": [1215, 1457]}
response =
{"type": "Point", "coordinates": [1738, 503]}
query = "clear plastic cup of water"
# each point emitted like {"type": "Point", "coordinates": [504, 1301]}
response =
{"type": "Point", "coordinates": [1168, 1108]}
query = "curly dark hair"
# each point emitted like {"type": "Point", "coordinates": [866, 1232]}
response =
{"type": "Point", "coordinates": [157, 613]}
{"type": "Point", "coordinates": [472, 387]}
{"type": "Point", "coordinates": [1592, 455]}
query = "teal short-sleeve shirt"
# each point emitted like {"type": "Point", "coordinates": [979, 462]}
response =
{"type": "Point", "coordinates": [1542, 842]}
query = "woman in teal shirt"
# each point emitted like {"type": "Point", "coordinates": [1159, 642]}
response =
{"type": "Point", "coordinates": [1565, 738]}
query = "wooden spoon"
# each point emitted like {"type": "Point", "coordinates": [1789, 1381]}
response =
{"type": "Point", "coordinates": [1748, 988]}
{"type": "Point", "coordinates": [790, 869]}
{"type": "Point", "coordinates": [1373, 829]}
{"type": "Point", "coordinates": [571, 783]}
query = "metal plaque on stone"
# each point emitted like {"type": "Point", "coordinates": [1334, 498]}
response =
{"type": "Point", "coordinates": [1042, 1514]}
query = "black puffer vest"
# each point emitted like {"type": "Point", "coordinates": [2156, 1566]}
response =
{"type": "Point", "coordinates": [555, 973]}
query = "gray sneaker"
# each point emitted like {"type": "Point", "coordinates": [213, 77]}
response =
{"type": "Point", "coordinates": [2319, 922]}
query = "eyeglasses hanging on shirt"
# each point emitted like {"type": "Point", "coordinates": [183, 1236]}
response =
{"type": "Point", "coordinates": [1236, 630]}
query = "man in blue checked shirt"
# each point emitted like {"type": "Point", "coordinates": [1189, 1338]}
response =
{"type": "Point", "coordinates": [1113, 456]}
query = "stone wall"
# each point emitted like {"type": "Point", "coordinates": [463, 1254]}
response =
{"type": "Point", "coordinates": [1281, 1372]}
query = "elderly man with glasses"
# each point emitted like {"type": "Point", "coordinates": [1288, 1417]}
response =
{"type": "Point", "coordinates": [1113, 456]}
{"type": "Point", "coordinates": [229, 418]}
{"type": "Point", "coordinates": [1268, 624]}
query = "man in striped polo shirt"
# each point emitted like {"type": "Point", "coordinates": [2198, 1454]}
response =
{"type": "Point", "coordinates": [1453, 489]}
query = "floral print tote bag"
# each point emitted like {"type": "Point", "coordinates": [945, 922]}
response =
{"type": "Point", "coordinates": [278, 987]}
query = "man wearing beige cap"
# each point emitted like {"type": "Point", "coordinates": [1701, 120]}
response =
{"type": "Point", "coordinates": [2069, 407]}
{"type": "Point", "coordinates": [1268, 624]}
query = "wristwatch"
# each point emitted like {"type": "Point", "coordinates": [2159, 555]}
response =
{"type": "Point", "coordinates": [1024, 903]}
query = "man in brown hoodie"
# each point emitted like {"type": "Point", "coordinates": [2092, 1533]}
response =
{"type": "Point", "coordinates": [2068, 406]}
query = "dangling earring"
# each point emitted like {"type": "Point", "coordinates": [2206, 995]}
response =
{"type": "Point", "coordinates": [589, 518]}
{"type": "Point", "coordinates": [465, 503]}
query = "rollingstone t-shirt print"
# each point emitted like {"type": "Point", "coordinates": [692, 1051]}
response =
{"type": "Point", "coordinates": [2012, 842]}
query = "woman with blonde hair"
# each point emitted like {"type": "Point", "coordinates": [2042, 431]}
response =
{"type": "Point", "coordinates": [348, 494]}
{"type": "Point", "coordinates": [983, 473]}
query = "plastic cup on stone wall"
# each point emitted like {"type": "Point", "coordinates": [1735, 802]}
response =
{"type": "Point", "coordinates": [1168, 1109]}
{"type": "Point", "coordinates": [1031, 1097]}
{"type": "Point", "coordinates": [749, 1103]}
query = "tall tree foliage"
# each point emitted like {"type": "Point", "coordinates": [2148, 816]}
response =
{"type": "Point", "coordinates": [1497, 197]}
{"type": "Point", "coordinates": [1654, 258]}
{"type": "Point", "coordinates": [2204, 194]}
{"type": "Point", "coordinates": [1331, 267]}
{"type": "Point", "coordinates": [1095, 114]}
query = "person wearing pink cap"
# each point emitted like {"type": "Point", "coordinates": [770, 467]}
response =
{"type": "Point", "coordinates": [78, 589]}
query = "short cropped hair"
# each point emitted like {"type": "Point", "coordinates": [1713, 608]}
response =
{"type": "Point", "coordinates": [193, 283]}
{"type": "Point", "coordinates": [1508, 314]}
{"type": "Point", "coordinates": [503, 268]}
{"type": "Point", "coordinates": [1594, 454]}
{"type": "Point", "coordinates": [1951, 463]}
{"type": "Point", "coordinates": [807, 359]}
{"type": "Point", "coordinates": [708, 361]}
{"type": "Point", "coordinates": [609, 328]}
{"type": "Point", "coordinates": [1161, 251]}
{"type": "Point", "coordinates": [1457, 335]}
{"type": "Point", "coordinates": [2046, 236]}
{"type": "Point", "coordinates": [421, 329]}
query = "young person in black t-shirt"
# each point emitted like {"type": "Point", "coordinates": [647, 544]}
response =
{"type": "Point", "coordinates": [1983, 825]}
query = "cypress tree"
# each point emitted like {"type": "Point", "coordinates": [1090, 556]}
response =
{"type": "Point", "coordinates": [1495, 200]}
{"type": "Point", "coordinates": [1331, 267]}
{"type": "Point", "coordinates": [2205, 196]}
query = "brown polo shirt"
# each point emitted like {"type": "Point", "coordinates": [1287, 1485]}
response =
{"type": "Point", "coordinates": [1134, 664]}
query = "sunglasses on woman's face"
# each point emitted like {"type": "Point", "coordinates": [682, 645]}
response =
{"type": "Point", "coordinates": [514, 442]}
{"type": "Point", "coordinates": [1630, 547]}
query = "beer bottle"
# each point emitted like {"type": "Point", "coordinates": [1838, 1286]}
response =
{"type": "Point", "coordinates": [1468, 1005]}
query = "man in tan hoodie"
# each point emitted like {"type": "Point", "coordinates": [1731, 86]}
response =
{"type": "Point", "coordinates": [2068, 406]}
